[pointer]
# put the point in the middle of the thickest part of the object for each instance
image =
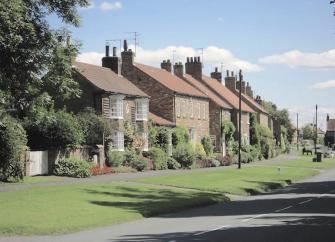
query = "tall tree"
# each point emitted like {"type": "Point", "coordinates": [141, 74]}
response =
{"type": "Point", "coordinates": [27, 47]}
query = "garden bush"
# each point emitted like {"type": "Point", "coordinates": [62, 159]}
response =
{"type": "Point", "coordinates": [224, 160]}
{"type": "Point", "coordinates": [95, 127]}
{"type": "Point", "coordinates": [200, 152]}
{"type": "Point", "coordinates": [73, 167]}
{"type": "Point", "coordinates": [160, 158]}
{"type": "Point", "coordinates": [215, 163]}
{"type": "Point", "coordinates": [132, 159]}
{"type": "Point", "coordinates": [180, 135]}
{"type": "Point", "coordinates": [173, 164]}
{"type": "Point", "coordinates": [13, 142]}
{"type": "Point", "coordinates": [47, 129]}
{"type": "Point", "coordinates": [207, 145]}
{"type": "Point", "coordinates": [184, 153]}
{"type": "Point", "coordinates": [115, 158]}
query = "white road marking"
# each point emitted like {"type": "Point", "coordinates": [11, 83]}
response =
{"type": "Point", "coordinates": [279, 210]}
{"type": "Point", "coordinates": [212, 230]}
{"type": "Point", "coordinates": [257, 216]}
{"type": "Point", "coordinates": [306, 201]}
{"type": "Point", "coordinates": [322, 195]}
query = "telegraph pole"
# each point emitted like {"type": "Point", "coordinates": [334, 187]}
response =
{"type": "Point", "coordinates": [297, 131]}
{"type": "Point", "coordinates": [240, 120]}
{"type": "Point", "coordinates": [316, 127]}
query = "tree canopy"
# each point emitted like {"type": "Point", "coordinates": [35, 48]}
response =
{"type": "Point", "coordinates": [29, 49]}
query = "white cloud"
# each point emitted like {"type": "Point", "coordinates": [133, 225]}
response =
{"type": "Point", "coordinates": [307, 115]}
{"type": "Point", "coordinates": [298, 59]}
{"type": "Point", "coordinates": [110, 6]}
{"type": "Point", "coordinates": [213, 56]}
{"type": "Point", "coordinates": [324, 85]}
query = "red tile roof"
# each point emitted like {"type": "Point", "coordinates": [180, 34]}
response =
{"type": "Point", "coordinates": [226, 94]}
{"type": "Point", "coordinates": [254, 104]}
{"type": "Point", "coordinates": [211, 94]}
{"type": "Point", "coordinates": [160, 121]}
{"type": "Point", "coordinates": [107, 80]}
{"type": "Point", "coordinates": [170, 81]}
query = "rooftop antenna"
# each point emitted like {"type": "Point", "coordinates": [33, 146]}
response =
{"type": "Point", "coordinates": [202, 56]}
{"type": "Point", "coordinates": [135, 38]}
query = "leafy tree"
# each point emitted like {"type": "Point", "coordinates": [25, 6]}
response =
{"type": "Point", "coordinates": [27, 48]}
{"type": "Point", "coordinates": [254, 131]}
{"type": "Point", "coordinates": [228, 129]}
{"type": "Point", "coordinates": [308, 132]}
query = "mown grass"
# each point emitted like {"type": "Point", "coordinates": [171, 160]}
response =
{"type": "Point", "coordinates": [63, 209]}
{"type": "Point", "coordinates": [248, 180]}
{"type": "Point", "coordinates": [306, 162]}
{"type": "Point", "coordinates": [34, 180]}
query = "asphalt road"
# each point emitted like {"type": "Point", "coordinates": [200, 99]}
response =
{"type": "Point", "coordinates": [301, 212]}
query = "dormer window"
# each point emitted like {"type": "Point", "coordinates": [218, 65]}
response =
{"type": "Point", "coordinates": [116, 106]}
{"type": "Point", "coordinates": [142, 109]}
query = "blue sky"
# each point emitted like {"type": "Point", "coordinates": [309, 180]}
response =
{"type": "Point", "coordinates": [286, 48]}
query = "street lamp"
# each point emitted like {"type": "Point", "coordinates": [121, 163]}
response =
{"type": "Point", "coordinates": [316, 127]}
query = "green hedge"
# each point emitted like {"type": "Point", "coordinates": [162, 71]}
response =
{"type": "Point", "coordinates": [73, 167]}
{"type": "Point", "coordinates": [13, 141]}
{"type": "Point", "coordinates": [184, 153]}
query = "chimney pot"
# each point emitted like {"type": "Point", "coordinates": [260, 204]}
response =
{"type": "Point", "coordinates": [107, 50]}
{"type": "Point", "coordinates": [125, 45]}
{"type": "Point", "coordinates": [232, 73]}
{"type": "Point", "coordinates": [188, 59]}
{"type": "Point", "coordinates": [114, 51]}
{"type": "Point", "coordinates": [191, 59]}
{"type": "Point", "coordinates": [216, 69]}
{"type": "Point", "coordinates": [227, 73]}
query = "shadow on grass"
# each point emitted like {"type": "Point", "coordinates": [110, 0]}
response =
{"type": "Point", "coordinates": [153, 202]}
{"type": "Point", "coordinates": [265, 186]}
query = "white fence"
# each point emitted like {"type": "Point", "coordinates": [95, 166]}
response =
{"type": "Point", "coordinates": [38, 163]}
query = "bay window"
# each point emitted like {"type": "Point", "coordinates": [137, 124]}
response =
{"type": "Point", "coordinates": [116, 106]}
{"type": "Point", "coordinates": [142, 109]}
{"type": "Point", "coordinates": [118, 140]}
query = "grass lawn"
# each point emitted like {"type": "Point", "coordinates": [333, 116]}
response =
{"type": "Point", "coordinates": [248, 180]}
{"type": "Point", "coordinates": [306, 162]}
{"type": "Point", "coordinates": [35, 179]}
{"type": "Point", "coordinates": [63, 209]}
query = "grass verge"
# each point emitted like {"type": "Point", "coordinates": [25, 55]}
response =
{"type": "Point", "coordinates": [248, 180]}
{"type": "Point", "coordinates": [306, 162]}
{"type": "Point", "coordinates": [64, 209]}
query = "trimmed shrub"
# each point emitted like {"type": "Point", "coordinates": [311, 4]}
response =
{"type": "Point", "coordinates": [173, 164]}
{"type": "Point", "coordinates": [115, 158]}
{"type": "Point", "coordinates": [13, 141]}
{"type": "Point", "coordinates": [135, 161]}
{"type": "Point", "coordinates": [215, 163]}
{"type": "Point", "coordinates": [95, 127]}
{"type": "Point", "coordinates": [224, 160]}
{"type": "Point", "coordinates": [46, 129]}
{"type": "Point", "coordinates": [200, 152]}
{"type": "Point", "coordinates": [73, 167]}
{"type": "Point", "coordinates": [160, 158]}
{"type": "Point", "coordinates": [180, 135]}
{"type": "Point", "coordinates": [208, 145]}
{"type": "Point", "coordinates": [184, 154]}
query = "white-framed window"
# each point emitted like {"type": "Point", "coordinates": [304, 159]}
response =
{"type": "Point", "coordinates": [191, 108]}
{"type": "Point", "coordinates": [184, 109]}
{"type": "Point", "coordinates": [203, 111]}
{"type": "Point", "coordinates": [199, 110]}
{"type": "Point", "coordinates": [146, 141]}
{"type": "Point", "coordinates": [178, 108]}
{"type": "Point", "coordinates": [118, 140]}
{"type": "Point", "coordinates": [116, 106]}
{"type": "Point", "coordinates": [142, 109]}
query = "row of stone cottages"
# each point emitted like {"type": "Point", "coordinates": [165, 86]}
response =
{"type": "Point", "coordinates": [125, 91]}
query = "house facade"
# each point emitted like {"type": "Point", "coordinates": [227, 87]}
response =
{"type": "Point", "coordinates": [113, 97]}
{"type": "Point", "coordinates": [172, 98]}
{"type": "Point", "coordinates": [330, 133]}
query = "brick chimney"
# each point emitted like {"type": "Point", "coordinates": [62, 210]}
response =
{"type": "Point", "coordinates": [230, 81]}
{"type": "Point", "coordinates": [194, 67]}
{"type": "Point", "coordinates": [243, 87]}
{"type": "Point", "coordinates": [112, 62]}
{"type": "Point", "coordinates": [217, 75]}
{"type": "Point", "coordinates": [249, 91]}
{"type": "Point", "coordinates": [178, 69]}
{"type": "Point", "coordinates": [127, 56]}
{"type": "Point", "coordinates": [259, 100]}
{"type": "Point", "coordinates": [167, 65]}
